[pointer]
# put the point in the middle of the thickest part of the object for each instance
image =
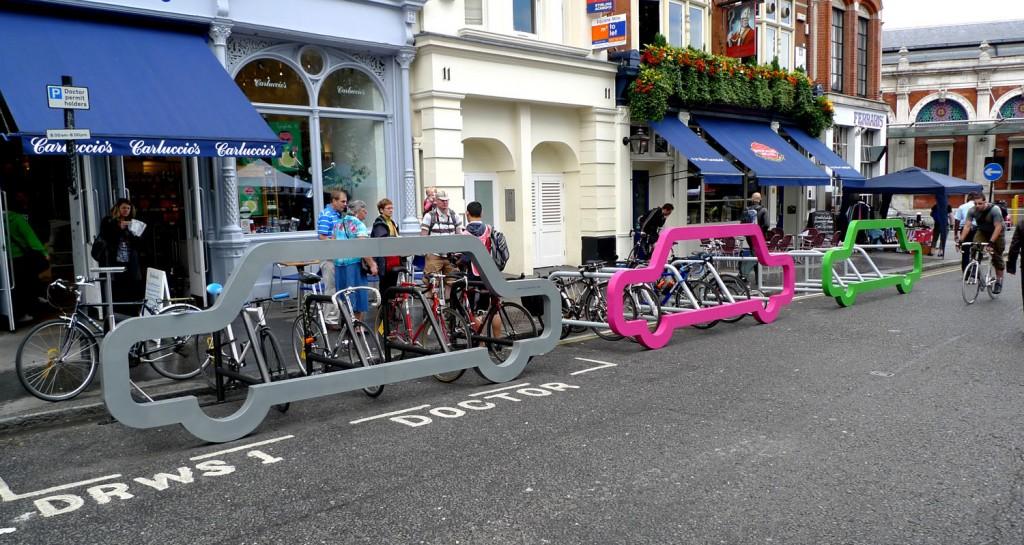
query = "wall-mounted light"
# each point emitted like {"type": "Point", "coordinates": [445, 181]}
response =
{"type": "Point", "coordinates": [983, 139]}
{"type": "Point", "coordinates": [638, 142]}
{"type": "Point", "coordinates": [903, 142]}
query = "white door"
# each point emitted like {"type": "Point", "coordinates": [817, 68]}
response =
{"type": "Point", "coordinates": [548, 220]}
{"type": "Point", "coordinates": [196, 242]}
{"type": "Point", "coordinates": [6, 266]}
{"type": "Point", "coordinates": [481, 188]}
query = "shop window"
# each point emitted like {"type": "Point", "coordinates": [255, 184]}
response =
{"type": "Point", "coordinates": [939, 161]}
{"type": "Point", "coordinates": [271, 81]}
{"type": "Point", "coordinates": [312, 61]}
{"type": "Point", "coordinates": [353, 158]}
{"type": "Point", "coordinates": [694, 200]}
{"type": "Point", "coordinates": [524, 17]}
{"type": "Point", "coordinates": [276, 195]}
{"type": "Point", "coordinates": [837, 49]}
{"type": "Point", "coordinates": [352, 89]}
{"type": "Point", "coordinates": [723, 203]}
{"type": "Point", "coordinates": [1017, 164]}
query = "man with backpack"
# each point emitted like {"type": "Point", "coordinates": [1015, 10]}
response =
{"type": "Point", "coordinates": [755, 213]}
{"type": "Point", "coordinates": [440, 220]}
{"type": "Point", "coordinates": [989, 219]}
{"type": "Point", "coordinates": [650, 225]}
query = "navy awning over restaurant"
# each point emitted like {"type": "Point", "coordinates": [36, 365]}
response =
{"type": "Point", "coordinates": [151, 91]}
{"type": "Point", "coordinates": [825, 156]}
{"type": "Point", "coordinates": [714, 168]}
{"type": "Point", "coordinates": [765, 153]}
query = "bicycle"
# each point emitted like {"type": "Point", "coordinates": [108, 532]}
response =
{"type": "Point", "coordinates": [592, 304]}
{"type": "Point", "coordinates": [978, 274]}
{"type": "Point", "coordinates": [357, 346]}
{"type": "Point", "coordinates": [706, 289]}
{"type": "Point", "coordinates": [223, 368]}
{"type": "Point", "coordinates": [57, 359]}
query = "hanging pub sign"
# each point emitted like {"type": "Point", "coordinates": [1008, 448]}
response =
{"type": "Point", "coordinates": [608, 31]}
{"type": "Point", "coordinates": [599, 6]}
{"type": "Point", "coordinates": [741, 37]}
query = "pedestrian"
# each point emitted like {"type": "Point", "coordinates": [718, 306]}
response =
{"type": "Point", "coordinates": [384, 226]}
{"type": "Point", "coordinates": [329, 218]}
{"type": "Point", "coordinates": [757, 214]}
{"type": "Point", "coordinates": [650, 225]}
{"type": "Point", "coordinates": [29, 258]}
{"type": "Point", "coordinates": [350, 272]}
{"type": "Point", "coordinates": [940, 228]}
{"type": "Point", "coordinates": [122, 250]}
{"type": "Point", "coordinates": [480, 302]}
{"type": "Point", "coordinates": [429, 202]}
{"type": "Point", "coordinates": [1015, 250]}
{"type": "Point", "coordinates": [959, 219]}
{"type": "Point", "coordinates": [440, 221]}
{"type": "Point", "coordinates": [988, 219]}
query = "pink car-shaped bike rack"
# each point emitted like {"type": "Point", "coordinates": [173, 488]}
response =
{"type": "Point", "coordinates": [763, 311]}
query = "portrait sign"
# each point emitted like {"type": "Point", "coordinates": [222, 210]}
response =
{"type": "Point", "coordinates": [741, 28]}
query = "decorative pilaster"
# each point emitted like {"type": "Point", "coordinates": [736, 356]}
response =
{"type": "Point", "coordinates": [410, 208]}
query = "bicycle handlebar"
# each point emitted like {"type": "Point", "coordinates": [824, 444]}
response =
{"type": "Point", "coordinates": [347, 291]}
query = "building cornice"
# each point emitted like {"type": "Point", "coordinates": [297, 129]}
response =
{"type": "Point", "coordinates": [510, 49]}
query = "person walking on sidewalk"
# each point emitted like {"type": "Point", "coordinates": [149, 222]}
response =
{"type": "Point", "coordinates": [350, 272]}
{"type": "Point", "coordinates": [989, 220]}
{"type": "Point", "coordinates": [756, 213]}
{"type": "Point", "coordinates": [329, 218]}
{"type": "Point", "coordinates": [1015, 250]}
{"type": "Point", "coordinates": [959, 220]}
{"type": "Point", "coordinates": [440, 221]}
{"type": "Point", "coordinates": [383, 227]}
{"type": "Point", "coordinates": [940, 227]}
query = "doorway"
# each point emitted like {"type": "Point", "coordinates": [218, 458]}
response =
{"type": "Point", "coordinates": [480, 187]}
{"type": "Point", "coordinates": [548, 220]}
{"type": "Point", "coordinates": [641, 195]}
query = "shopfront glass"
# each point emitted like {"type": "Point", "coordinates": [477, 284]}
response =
{"type": "Point", "coordinates": [276, 195]}
{"type": "Point", "coordinates": [353, 158]}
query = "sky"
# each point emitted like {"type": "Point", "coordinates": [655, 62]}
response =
{"type": "Point", "coordinates": [916, 13]}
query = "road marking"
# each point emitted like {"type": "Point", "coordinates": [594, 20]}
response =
{"type": "Point", "coordinates": [602, 366]}
{"type": "Point", "coordinates": [236, 449]}
{"type": "Point", "coordinates": [881, 374]}
{"type": "Point", "coordinates": [7, 531]}
{"type": "Point", "coordinates": [945, 270]}
{"type": "Point", "coordinates": [6, 494]}
{"type": "Point", "coordinates": [514, 386]}
{"type": "Point", "coordinates": [385, 415]}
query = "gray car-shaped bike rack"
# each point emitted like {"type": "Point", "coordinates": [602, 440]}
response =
{"type": "Point", "coordinates": [186, 410]}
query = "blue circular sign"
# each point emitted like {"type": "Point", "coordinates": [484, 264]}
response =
{"type": "Point", "coordinates": [993, 171]}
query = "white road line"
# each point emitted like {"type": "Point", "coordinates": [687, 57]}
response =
{"type": "Point", "coordinates": [385, 415]}
{"type": "Point", "coordinates": [514, 386]}
{"type": "Point", "coordinates": [602, 366]}
{"type": "Point", "coordinates": [7, 531]}
{"type": "Point", "coordinates": [6, 494]}
{"type": "Point", "coordinates": [236, 449]}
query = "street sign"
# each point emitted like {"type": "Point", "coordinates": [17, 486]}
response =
{"type": "Point", "coordinates": [993, 171]}
{"type": "Point", "coordinates": [68, 134]}
{"type": "Point", "coordinates": [66, 97]}
{"type": "Point", "coordinates": [599, 6]}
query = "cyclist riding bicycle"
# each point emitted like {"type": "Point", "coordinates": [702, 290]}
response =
{"type": "Point", "coordinates": [989, 221]}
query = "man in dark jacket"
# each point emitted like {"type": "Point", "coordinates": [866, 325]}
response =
{"type": "Point", "coordinates": [650, 225]}
{"type": "Point", "coordinates": [1015, 250]}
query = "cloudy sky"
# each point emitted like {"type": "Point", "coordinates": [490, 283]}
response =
{"type": "Point", "coordinates": [915, 13]}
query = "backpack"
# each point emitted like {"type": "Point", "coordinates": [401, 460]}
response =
{"type": "Point", "coordinates": [499, 249]}
{"type": "Point", "coordinates": [99, 250]}
{"type": "Point", "coordinates": [750, 215]}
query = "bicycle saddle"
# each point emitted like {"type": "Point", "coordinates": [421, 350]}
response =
{"type": "Point", "coordinates": [309, 278]}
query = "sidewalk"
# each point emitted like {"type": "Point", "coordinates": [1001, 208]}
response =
{"type": "Point", "coordinates": [20, 411]}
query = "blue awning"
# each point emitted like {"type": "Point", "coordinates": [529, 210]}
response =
{"type": "Point", "coordinates": [714, 168]}
{"type": "Point", "coordinates": [764, 152]}
{"type": "Point", "coordinates": [825, 156]}
{"type": "Point", "coordinates": [151, 91]}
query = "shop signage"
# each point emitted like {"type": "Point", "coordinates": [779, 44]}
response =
{"type": "Point", "coordinates": [68, 134]}
{"type": "Point", "coordinates": [65, 97]}
{"type": "Point", "coordinates": [868, 120]}
{"type": "Point", "coordinates": [741, 40]}
{"type": "Point", "coordinates": [766, 152]}
{"type": "Point", "coordinates": [350, 91]}
{"type": "Point", "coordinates": [608, 31]}
{"type": "Point", "coordinates": [133, 147]}
{"type": "Point", "coordinates": [599, 6]}
{"type": "Point", "coordinates": [267, 83]}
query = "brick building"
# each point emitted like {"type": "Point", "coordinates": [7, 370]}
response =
{"type": "Point", "coordinates": [956, 101]}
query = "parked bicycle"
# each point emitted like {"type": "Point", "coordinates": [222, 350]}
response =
{"type": "Point", "coordinates": [590, 302]}
{"type": "Point", "coordinates": [978, 274]}
{"type": "Point", "coordinates": [57, 359]}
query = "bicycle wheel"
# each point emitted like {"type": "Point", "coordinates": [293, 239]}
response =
{"type": "Point", "coordinates": [173, 357]}
{"type": "Point", "coordinates": [359, 335]}
{"type": "Point", "coordinates": [739, 291]}
{"type": "Point", "coordinates": [971, 286]}
{"type": "Point", "coordinates": [514, 324]}
{"type": "Point", "coordinates": [455, 331]}
{"type": "Point", "coordinates": [397, 331]}
{"type": "Point", "coordinates": [706, 295]}
{"type": "Point", "coordinates": [56, 361]}
{"type": "Point", "coordinates": [596, 309]}
{"type": "Point", "coordinates": [275, 363]}
{"type": "Point", "coordinates": [634, 303]}
{"type": "Point", "coordinates": [299, 347]}
{"type": "Point", "coordinates": [990, 280]}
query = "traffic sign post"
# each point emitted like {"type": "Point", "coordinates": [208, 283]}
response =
{"type": "Point", "coordinates": [993, 171]}
{"type": "Point", "coordinates": [69, 98]}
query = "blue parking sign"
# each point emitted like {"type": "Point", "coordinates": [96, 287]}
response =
{"type": "Point", "coordinates": [56, 92]}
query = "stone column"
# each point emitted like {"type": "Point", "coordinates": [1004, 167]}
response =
{"type": "Point", "coordinates": [410, 205]}
{"type": "Point", "coordinates": [230, 244]}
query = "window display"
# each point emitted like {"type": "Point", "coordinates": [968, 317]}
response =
{"type": "Point", "coordinates": [277, 195]}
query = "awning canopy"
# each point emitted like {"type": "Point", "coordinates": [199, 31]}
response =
{"type": "Point", "coordinates": [914, 181]}
{"type": "Point", "coordinates": [764, 152]}
{"type": "Point", "coordinates": [714, 168]}
{"type": "Point", "coordinates": [825, 156]}
{"type": "Point", "coordinates": [151, 91]}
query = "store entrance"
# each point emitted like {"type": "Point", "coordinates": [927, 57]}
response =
{"type": "Point", "coordinates": [158, 188]}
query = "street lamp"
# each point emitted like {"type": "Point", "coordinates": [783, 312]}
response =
{"type": "Point", "coordinates": [637, 142]}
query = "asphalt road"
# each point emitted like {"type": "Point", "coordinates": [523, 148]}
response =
{"type": "Point", "coordinates": [894, 421]}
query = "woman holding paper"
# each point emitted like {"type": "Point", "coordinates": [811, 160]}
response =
{"type": "Point", "coordinates": [120, 232]}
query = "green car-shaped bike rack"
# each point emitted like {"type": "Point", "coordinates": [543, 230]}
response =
{"type": "Point", "coordinates": [845, 292]}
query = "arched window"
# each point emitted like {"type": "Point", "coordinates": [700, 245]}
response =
{"type": "Point", "coordinates": [1013, 108]}
{"type": "Point", "coordinates": [352, 89]}
{"type": "Point", "coordinates": [942, 110]}
{"type": "Point", "coordinates": [271, 81]}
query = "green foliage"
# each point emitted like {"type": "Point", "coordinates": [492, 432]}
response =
{"type": "Point", "coordinates": [690, 78]}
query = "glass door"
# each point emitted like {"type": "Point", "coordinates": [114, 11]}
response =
{"type": "Point", "coordinates": [6, 273]}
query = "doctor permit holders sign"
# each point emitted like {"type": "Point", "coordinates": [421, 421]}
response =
{"type": "Point", "coordinates": [258, 258]}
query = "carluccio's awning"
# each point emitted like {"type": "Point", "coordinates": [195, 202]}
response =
{"type": "Point", "coordinates": [151, 91]}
